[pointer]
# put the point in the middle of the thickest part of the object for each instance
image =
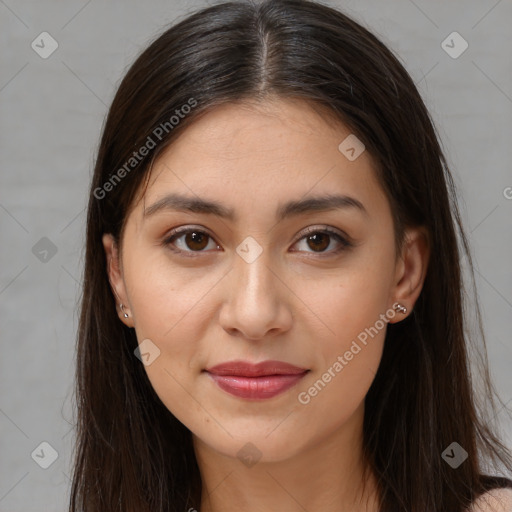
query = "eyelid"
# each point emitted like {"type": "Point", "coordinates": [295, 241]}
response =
{"type": "Point", "coordinates": [322, 228]}
{"type": "Point", "coordinates": [185, 229]}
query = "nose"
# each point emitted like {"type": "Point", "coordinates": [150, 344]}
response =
{"type": "Point", "coordinates": [257, 300]}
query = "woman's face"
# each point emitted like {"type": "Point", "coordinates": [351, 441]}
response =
{"type": "Point", "coordinates": [260, 279]}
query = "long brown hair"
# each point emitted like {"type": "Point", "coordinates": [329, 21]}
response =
{"type": "Point", "coordinates": [132, 454]}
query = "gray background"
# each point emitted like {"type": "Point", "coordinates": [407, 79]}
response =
{"type": "Point", "coordinates": [51, 113]}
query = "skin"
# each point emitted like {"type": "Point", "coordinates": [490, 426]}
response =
{"type": "Point", "coordinates": [294, 303]}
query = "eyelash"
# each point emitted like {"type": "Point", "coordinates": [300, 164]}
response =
{"type": "Point", "coordinates": [178, 232]}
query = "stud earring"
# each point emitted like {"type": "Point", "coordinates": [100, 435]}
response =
{"type": "Point", "coordinates": [398, 307]}
{"type": "Point", "coordinates": [121, 306]}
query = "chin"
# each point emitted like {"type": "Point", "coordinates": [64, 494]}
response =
{"type": "Point", "coordinates": [255, 448]}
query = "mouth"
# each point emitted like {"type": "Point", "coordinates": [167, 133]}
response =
{"type": "Point", "coordinates": [256, 381]}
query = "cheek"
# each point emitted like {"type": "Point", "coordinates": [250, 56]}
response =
{"type": "Point", "coordinates": [337, 388]}
{"type": "Point", "coordinates": [352, 299]}
{"type": "Point", "coordinates": [168, 300]}
{"type": "Point", "coordinates": [168, 310]}
{"type": "Point", "coordinates": [356, 312]}
{"type": "Point", "coordinates": [350, 359]}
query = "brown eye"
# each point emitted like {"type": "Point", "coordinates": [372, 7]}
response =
{"type": "Point", "coordinates": [318, 241]}
{"type": "Point", "coordinates": [189, 241]}
{"type": "Point", "coordinates": [196, 240]}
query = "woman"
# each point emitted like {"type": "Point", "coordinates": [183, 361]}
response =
{"type": "Point", "coordinates": [272, 315]}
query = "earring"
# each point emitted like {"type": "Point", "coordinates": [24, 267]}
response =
{"type": "Point", "coordinates": [121, 307]}
{"type": "Point", "coordinates": [401, 309]}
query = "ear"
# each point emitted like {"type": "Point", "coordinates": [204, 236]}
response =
{"type": "Point", "coordinates": [411, 270]}
{"type": "Point", "coordinates": [115, 276]}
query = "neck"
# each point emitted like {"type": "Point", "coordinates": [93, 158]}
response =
{"type": "Point", "coordinates": [326, 476]}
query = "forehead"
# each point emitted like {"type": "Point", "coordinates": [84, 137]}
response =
{"type": "Point", "coordinates": [253, 155]}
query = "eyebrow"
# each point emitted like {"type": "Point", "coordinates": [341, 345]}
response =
{"type": "Point", "coordinates": [189, 204]}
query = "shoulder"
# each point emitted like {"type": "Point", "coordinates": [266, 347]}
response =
{"type": "Point", "coordinates": [495, 500]}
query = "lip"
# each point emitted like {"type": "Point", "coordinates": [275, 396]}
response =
{"type": "Point", "coordinates": [256, 381]}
